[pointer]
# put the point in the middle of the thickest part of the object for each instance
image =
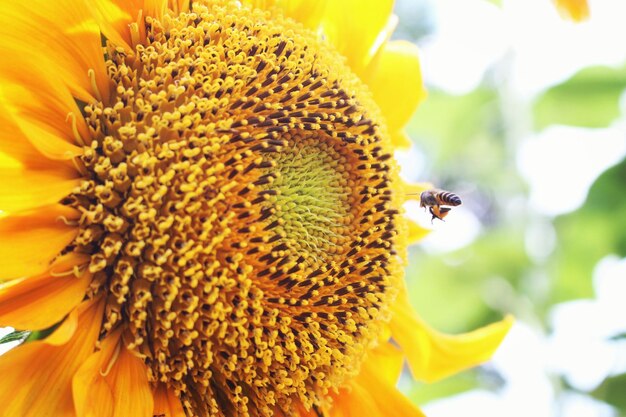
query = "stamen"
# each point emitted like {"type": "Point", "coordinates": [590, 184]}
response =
{"type": "Point", "coordinates": [77, 271]}
{"type": "Point", "coordinates": [80, 167]}
{"type": "Point", "coordinates": [114, 356]}
{"type": "Point", "coordinates": [134, 34]}
{"type": "Point", "coordinates": [94, 85]}
{"type": "Point", "coordinates": [61, 274]}
{"type": "Point", "coordinates": [137, 30]}
{"type": "Point", "coordinates": [67, 222]}
{"type": "Point", "coordinates": [79, 139]}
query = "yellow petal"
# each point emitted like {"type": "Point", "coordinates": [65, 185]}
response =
{"type": "Point", "coordinates": [432, 355]}
{"type": "Point", "coordinates": [48, 117]}
{"type": "Point", "coordinates": [387, 361]}
{"type": "Point", "coordinates": [64, 333]}
{"type": "Point", "coordinates": [39, 302]}
{"type": "Point", "coordinates": [355, 401]}
{"type": "Point", "coordinates": [49, 144]}
{"type": "Point", "coordinates": [155, 8]}
{"type": "Point", "coordinates": [166, 402]}
{"type": "Point", "coordinates": [129, 379]}
{"type": "Point", "coordinates": [392, 402]}
{"type": "Point", "coordinates": [122, 21]}
{"type": "Point", "coordinates": [38, 126]}
{"type": "Point", "coordinates": [97, 391]}
{"type": "Point", "coordinates": [307, 12]}
{"type": "Point", "coordinates": [400, 140]}
{"type": "Point", "coordinates": [8, 162]}
{"type": "Point", "coordinates": [416, 232]}
{"type": "Point", "coordinates": [373, 393]}
{"type": "Point", "coordinates": [31, 240]}
{"type": "Point", "coordinates": [385, 395]}
{"type": "Point", "coordinates": [397, 83]}
{"type": "Point", "coordinates": [24, 189]}
{"type": "Point", "coordinates": [114, 18]}
{"type": "Point", "coordinates": [14, 144]}
{"type": "Point", "coordinates": [36, 377]}
{"type": "Point", "coordinates": [107, 380]}
{"type": "Point", "coordinates": [383, 37]}
{"type": "Point", "coordinates": [355, 27]}
{"type": "Point", "coordinates": [51, 101]}
{"type": "Point", "coordinates": [179, 6]}
{"type": "Point", "coordinates": [576, 10]}
{"type": "Point", "coordinates": [92, 394]}
{"type": "Point", "coordinates": [60, 37]}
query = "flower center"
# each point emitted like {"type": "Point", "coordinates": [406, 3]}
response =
{"type": "Point", "coordinates": [238, 210]}
{"type": "Point", "coordinates": [311, 198]}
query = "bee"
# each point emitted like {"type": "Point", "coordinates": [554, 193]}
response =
{"type": "Point", "coordinates": [435, 199]}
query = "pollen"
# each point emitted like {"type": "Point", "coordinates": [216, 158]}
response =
{"type": "Point", "coordinates": [239, 210]}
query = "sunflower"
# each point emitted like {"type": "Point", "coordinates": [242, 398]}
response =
{"type": "Point", "coordinates": [203, 215]}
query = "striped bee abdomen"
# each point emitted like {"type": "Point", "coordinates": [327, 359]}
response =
{"type": "Point", "coordinates": [449, 199]}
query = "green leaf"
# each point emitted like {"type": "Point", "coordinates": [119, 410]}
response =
{"type": "Point", "coordinates": [612, 391]}
{"type": "Point", "coordinates": [587, 235]}
{"type": "Point", "coordinates": [42, 334]}
{"type": "Point", "coordinates": [15, 336]}
{"type": "Point", "coordinates": [588, 99]}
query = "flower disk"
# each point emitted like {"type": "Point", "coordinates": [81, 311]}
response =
{"type": "Point", "coordinates": [239, 210]}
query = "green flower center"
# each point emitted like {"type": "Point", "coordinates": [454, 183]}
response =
{"type": "Point", "coordinates": [313, 198]}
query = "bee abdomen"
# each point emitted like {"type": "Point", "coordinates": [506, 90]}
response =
{"type": "Point", "coordinates": [449, 199]}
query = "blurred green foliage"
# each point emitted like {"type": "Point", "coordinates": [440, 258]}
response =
{"type": "Point", "coordinates": [460, 134]}
{"type": "Point", "coordinates": [588, 99]}
{"type": "Point", "coordinates": [460, 279]}
{"type": "Point", "coordinates": [470, 144]}
{"type": "Point", "coordinates": [467, 140]}
{"type": "Point", "coordinates": [462, 137]}
{"type": "Point", "coordinates": [597, 229]}
{"type": "Point", "coordinates": [613, 391]}
{"type": "Point", "coordinates": [457, 384]}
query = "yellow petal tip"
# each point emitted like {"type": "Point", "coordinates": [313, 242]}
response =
{"type": "Point", "coordinates": [576, 10]}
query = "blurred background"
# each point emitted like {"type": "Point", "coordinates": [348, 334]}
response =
{"type": "Point", "coordinates": [526, 121]}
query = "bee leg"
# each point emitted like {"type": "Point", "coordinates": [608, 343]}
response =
{"type": "Point", "coordinates": [433, 214]}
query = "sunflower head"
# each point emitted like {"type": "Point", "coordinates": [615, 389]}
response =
{"type": "Point", "coordinates": [238, 210]}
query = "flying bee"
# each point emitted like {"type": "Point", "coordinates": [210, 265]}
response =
{"type": "Point", "coordinates": [434, 199]}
